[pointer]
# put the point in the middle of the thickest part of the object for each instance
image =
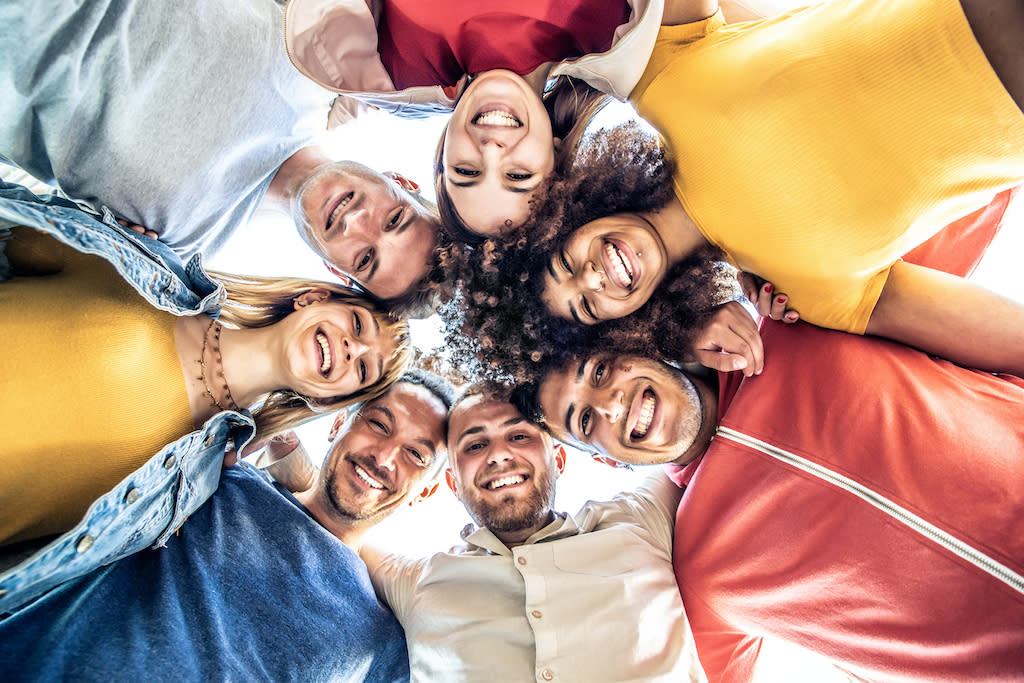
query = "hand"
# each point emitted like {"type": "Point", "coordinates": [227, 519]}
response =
{"type": "Point", "coordinates": [768, 304]}
{"type": "Point", "coordinates": [730, 341]}
{"type": "Point", "coordinates": [138, 228]}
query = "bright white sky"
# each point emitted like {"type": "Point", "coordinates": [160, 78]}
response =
{"type": "Point", "coordinates": [270, 246]}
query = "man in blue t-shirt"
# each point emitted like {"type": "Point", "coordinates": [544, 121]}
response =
{"type": "Point", "coordinates": [258, 584]}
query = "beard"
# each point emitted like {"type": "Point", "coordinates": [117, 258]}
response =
{"type": "Point", "coordinates": [514, 513]}
{"type": "Point", "coordinates": [346, 503]}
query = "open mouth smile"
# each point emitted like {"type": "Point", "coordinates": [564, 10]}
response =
{"type": "Point", "coordinates": [367, 479]}
{"type": "Point", "coordinates": [618, 266]}
{"type": "Point", "coordinates": [326, 355]}
{"type": "Point", "coordinates": [338, 209]}
{"type": "Point", "coordinates": [646, 416]}
{"type": "Point", "coordinates": [497, 117]}
{"type": "Point", "coordinates": [504, 481]}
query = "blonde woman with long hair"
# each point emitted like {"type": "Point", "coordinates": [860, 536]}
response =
{"type": "Point", "coordinates": [103, 364]}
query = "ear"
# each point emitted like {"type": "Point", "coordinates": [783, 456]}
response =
{"type": "Point", "coordinates": [313, 296]}
{"type": "Point", "coordinates": [404, 182]}
{"type": "Point", "coordinates": [345, 279]}
{"type": "Point", "coordinates": [560, 458]}
{"type": "Point", "coordinates": [339, 420]}
{"type": "Point", "coordinates": [558, 142]}
{"type": "Point", "coordinates": [427, 492]}
{"type": "Point", "coordinates": [449, 479]}
{"type": "Point", "coordinates": [605, 460]}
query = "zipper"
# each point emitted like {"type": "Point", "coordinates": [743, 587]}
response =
{"type": "Point", "coordinates": [909, 519]}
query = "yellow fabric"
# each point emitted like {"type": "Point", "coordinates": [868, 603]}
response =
{"type": "Point", "coordinates": [90, 385]}
{"type": "Point", "coordinates": [818, 147]}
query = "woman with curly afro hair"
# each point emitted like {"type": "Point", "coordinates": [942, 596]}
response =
{"type": "Point", "coordinates": [815, 149]}
{"type": "Point", "coordinates": [502, 317]}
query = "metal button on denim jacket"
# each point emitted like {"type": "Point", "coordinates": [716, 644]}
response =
{"type": "Point", "coordinates": [150, 504]}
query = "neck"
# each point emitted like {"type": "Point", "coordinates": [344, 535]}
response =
{"type": "Point", "coordinates": [513, 538]}
{"type": "Point", "coordinates": [350, 532]}
{"type": "Point", "coordinates": [677, 231]}
{"type": "Point", "coordinates": [290, 176]}
{"type": "Point", "coordinates": [252, 362]}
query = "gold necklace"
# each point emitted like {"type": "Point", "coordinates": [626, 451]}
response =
{"type": "Point", "coordinates": [231, 405]}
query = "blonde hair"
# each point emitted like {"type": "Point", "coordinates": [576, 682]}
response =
{"type": "Point", "coordinates": [260, 301]}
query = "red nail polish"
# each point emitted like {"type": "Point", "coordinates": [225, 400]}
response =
{"type": "Point", "coordinates": [781, 299]}
{"type": "Point", "coordinates": [768, 288]}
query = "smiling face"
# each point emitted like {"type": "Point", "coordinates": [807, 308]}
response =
{"type": "Point", "coordinates": [332, 349]}
{"type": "Point", "coordinates": [497, 150]}
{"type": "Point", "coordinates": [635, 410]}
{"type": "Point", "coordinates": [366, 225]}
{"type": "Point", "coordinates": [502, 467]}
{"type": "Point", "coordinates": [607, 269]}
{"type": "Point", "coordinates": [385, 457]}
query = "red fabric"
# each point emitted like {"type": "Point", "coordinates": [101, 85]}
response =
{"type": "Point", "coordinates": [960, 246]}
{"type": "Point", "coordinates": [763, 548]}
{"type": "Point", "coordinates": [435, 43]}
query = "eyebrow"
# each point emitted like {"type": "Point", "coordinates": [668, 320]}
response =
{"type": "Point", "coordinates": [469, 431]}
{"type": "Point", "coordinates": [384, 409]}
{"type": "Point", "coordinates": [572, 406]}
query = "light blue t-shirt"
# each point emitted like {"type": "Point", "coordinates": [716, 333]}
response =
{"type": "Point", "coordinates": [175, 115]}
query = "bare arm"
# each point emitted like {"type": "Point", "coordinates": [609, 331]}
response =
{"type": "Point", "coordinates": [686, 11]}
{"type": "Point", "coordinates": [950, 317]}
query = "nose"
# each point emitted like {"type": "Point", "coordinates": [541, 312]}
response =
{"type": "Point", "coordinates": [593, 278]}
{"type": "Point", "coordinates": [612, 405]}
{"type": "Point", "coordinates": [498, 454]}
{"type": "Point", "coordinates": [352, 348]}
{"type": "Point", "coordinates": [360, 224]}
{"type": "Point", "coordinates": [387, 456]}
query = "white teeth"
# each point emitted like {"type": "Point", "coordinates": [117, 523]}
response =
{"type": "Point", "coordinates": [337, 210]}
{"type": "Point", "coordinates": [622, 269]}
{"type": "Point", "coordinates": [497, 118]}
{"type": "Point", "coordinates": [506, 481]}
{"type": "Point", "coordinates": [325, 348]}
{"type": "Point", "coordinates": [370, 481]}
{"type": "Point", "coordinates": [646, 415]}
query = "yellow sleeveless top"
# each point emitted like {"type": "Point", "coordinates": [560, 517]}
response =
{"type": "Point", "coordinates": [818, 147]}
{"type": "Point", "coordinates": [90, 385]}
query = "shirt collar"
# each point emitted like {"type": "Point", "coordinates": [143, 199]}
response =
{"type": "Point", "coordinates": [562, 526]}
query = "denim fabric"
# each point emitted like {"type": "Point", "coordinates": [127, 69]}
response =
{"type": "Point", "coordinates": [251, 589]}
{"type": "Point", "coordinates": [152, 502]}
{"type": "Point", "coordinates": [147, 264]}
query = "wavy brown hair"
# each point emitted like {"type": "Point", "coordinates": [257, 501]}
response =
{"type": "Point", "coordinates": [498, 320]}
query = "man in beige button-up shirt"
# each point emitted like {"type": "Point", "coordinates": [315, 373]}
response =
{"type": "Point", "coordinates": [534, 594]}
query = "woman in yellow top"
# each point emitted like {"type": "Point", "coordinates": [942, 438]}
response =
{"type": "Point", "coordinates": [94, 379]}
{"type": "Point", "coordinates": [814, 149]}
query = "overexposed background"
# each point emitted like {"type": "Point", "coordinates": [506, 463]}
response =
{"type": "Point", "coordinates": [271, 246]}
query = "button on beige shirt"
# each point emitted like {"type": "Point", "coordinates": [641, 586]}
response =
{"type": "Point", "coordinates": [588, 598]}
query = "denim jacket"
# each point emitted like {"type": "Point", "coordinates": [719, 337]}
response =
{"type": "Point", "coordinates": [153, 502]}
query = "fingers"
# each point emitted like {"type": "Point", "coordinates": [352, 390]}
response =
{"type": "Point", "coordinates": [230, 458]}
{"type": "Point", "coordinates": [137, 228]}
{"type": "Point", "coordinates": [723, 362]}
{"type": "Point", "coordinates": [730, 341]}
{"type": "Point", "coordinates": [772, 304]}
{"type": "Point", "coordinates": [780, 312]}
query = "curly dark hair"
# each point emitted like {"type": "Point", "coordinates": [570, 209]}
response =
{"type": "Point", "coordinates": [499, 320]}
